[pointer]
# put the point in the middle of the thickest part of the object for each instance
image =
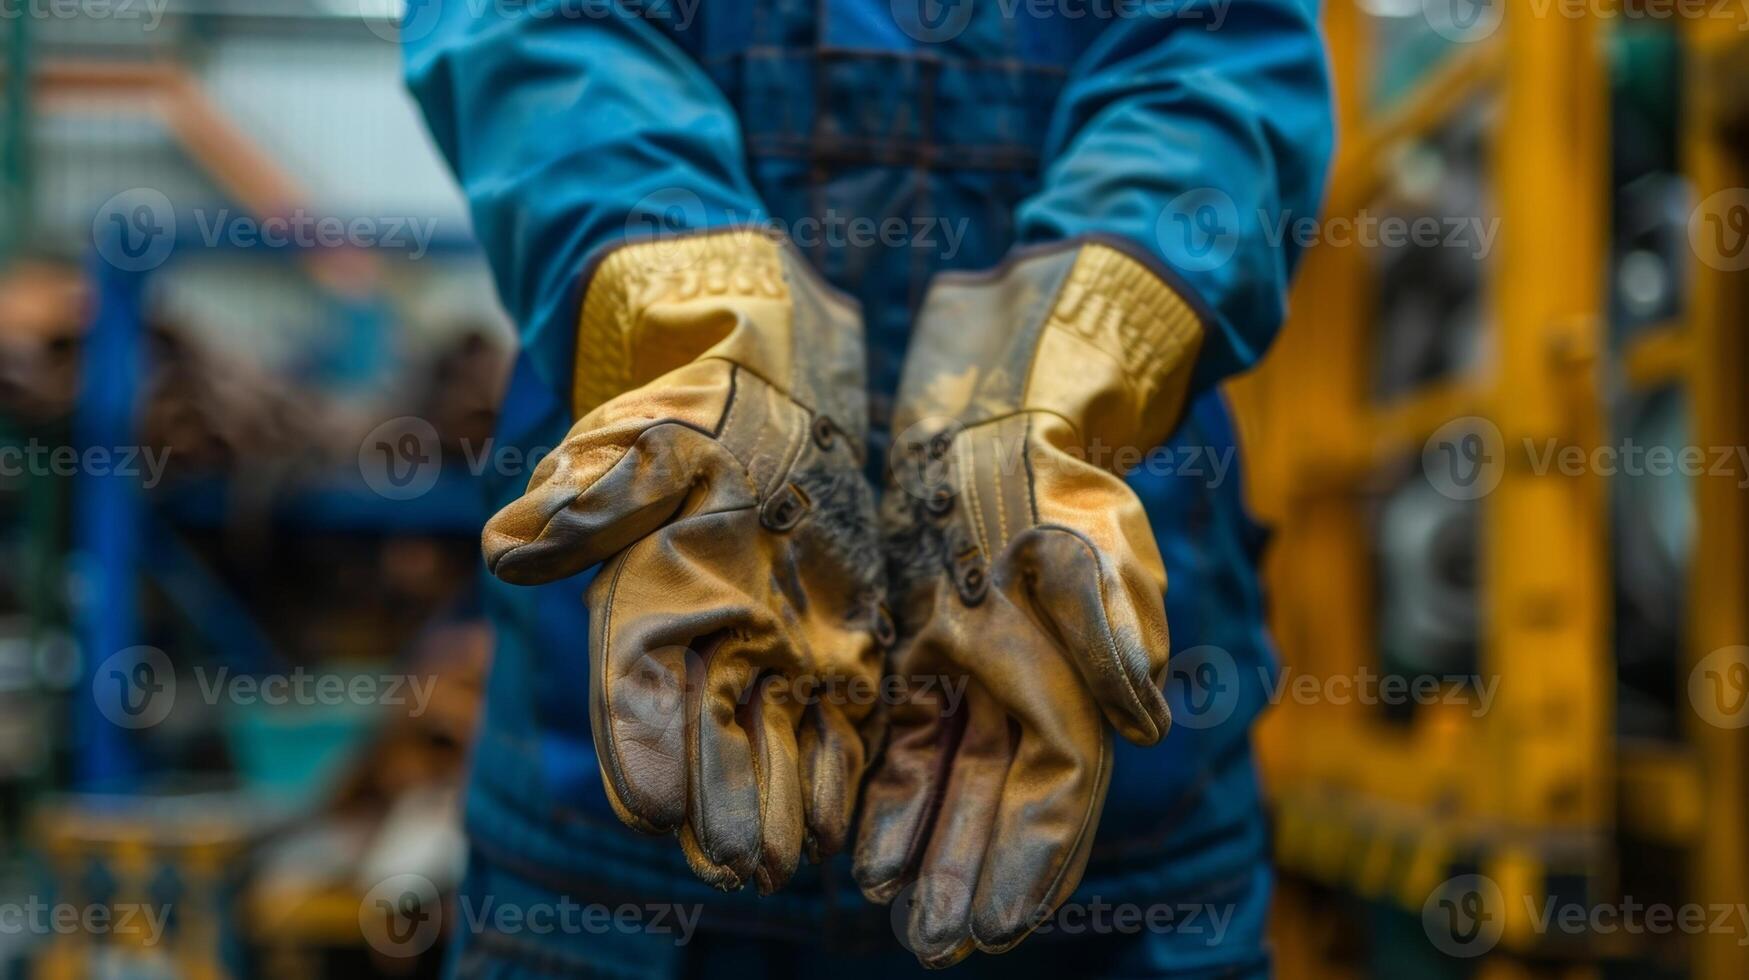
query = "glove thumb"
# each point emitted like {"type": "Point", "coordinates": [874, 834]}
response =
{"type": "Point", "coordinates": [600, 491]}
{"type": "Point", "coordinates": [1107, 615]}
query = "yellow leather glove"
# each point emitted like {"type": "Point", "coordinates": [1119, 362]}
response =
{"type": "Point", "coordinates": [733, 631]}
{"type": "Point", "coordinates": [1020, 560]}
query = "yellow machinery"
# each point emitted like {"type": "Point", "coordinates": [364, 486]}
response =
{"type": "Point", "coordinates": [1536, 794]}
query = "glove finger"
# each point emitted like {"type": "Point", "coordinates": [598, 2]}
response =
{"type": "Point", "coordinates": [771, 720]}
{"type": "Point", "coordinates": [640, 735]}
{"type": "Point", "coordinates": [1043, 833]}
{"type": "Point", "coordinates": [900, 799]}
{"type": "Point", "coordinates": [722, 835]}
{"type": "Point", "coordinates": [651, 613]}
{"type": "Point", "coordinates": [602, 489]}
{"type": "Point", "coordinates": [940, 925]}
{"type": "Point", "coordinates": [832, 758]}
{"type": "Point", "coordinates": [1104, 615]}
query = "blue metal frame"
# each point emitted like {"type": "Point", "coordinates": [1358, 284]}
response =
{"type": "Point", "coordinates": [119, 535]}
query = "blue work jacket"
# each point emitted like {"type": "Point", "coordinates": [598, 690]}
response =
{"type": "Point", "coordinates": [892, 139]}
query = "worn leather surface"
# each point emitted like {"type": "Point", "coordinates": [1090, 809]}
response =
{"type": "Point", "coordinates": [1024, 568]}
{"type": "Point", "coordinates": [736, 626]}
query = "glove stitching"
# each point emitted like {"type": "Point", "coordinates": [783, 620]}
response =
{"type": "Point", "coordinates": [796, 427]}
{"type": "Point", "coordinates": [968, 490]}
{"type": "Point", "coordinates": [618, 770]}
{"type": "Point", "coordinates": [1001, 507]}
{"type": "Point", "coordinates": [1026, 460]}
{"type": "Point", "coordinates": [757, 738]}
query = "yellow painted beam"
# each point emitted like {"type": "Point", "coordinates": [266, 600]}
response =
{"type": "Point", "coordinates": [1547, 741]}
{"type": "Point", "coordinates": [1719, 298]}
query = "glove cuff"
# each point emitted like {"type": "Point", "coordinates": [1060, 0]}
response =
{"type": "Point", "coordinates": [1113, 312]}
{"type": "Point", "coordinates": [1084, 331]}
{"type": "Point", "coordinates": [620, 346]}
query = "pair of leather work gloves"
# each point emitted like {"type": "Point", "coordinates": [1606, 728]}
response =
{"type": "Point", "coordinates": [745, 668]}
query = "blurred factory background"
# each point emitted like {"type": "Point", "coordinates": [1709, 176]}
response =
{"type": "Point", "coordinates": [1577, 631]}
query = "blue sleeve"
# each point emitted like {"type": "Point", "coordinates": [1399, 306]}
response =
{"type": "Point", "coordinates": [1198, 135]}
{"type": "Point", "coordinates": [570, 133]}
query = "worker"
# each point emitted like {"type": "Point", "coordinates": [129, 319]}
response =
{"type": "Point", "coordinates": [871, 354]}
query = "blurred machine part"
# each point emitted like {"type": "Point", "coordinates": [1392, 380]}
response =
{"type": "Point", "coordinates": [1427, 576]}
{"type": "Point", "coordinates": [1432, 302]}
{"type": "Point", "coordinates": [1608, 591]}
{"type": "Point", "coordinates": [1652, 533]}
{"type": "Point", "coordinates": [1650, 252]}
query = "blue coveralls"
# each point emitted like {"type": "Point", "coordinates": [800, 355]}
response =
{"type": "Point", "coordinates": [1199, 129]}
